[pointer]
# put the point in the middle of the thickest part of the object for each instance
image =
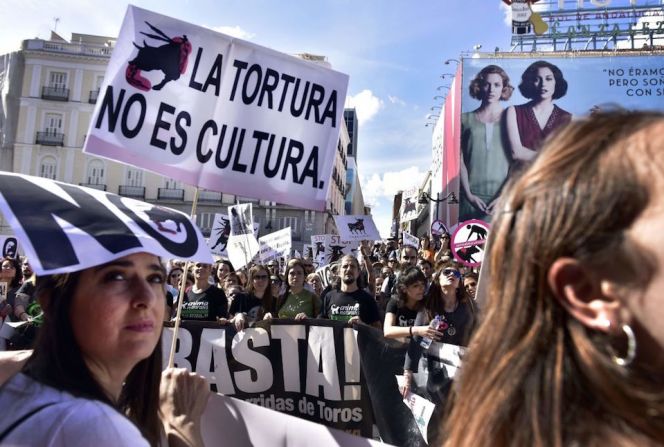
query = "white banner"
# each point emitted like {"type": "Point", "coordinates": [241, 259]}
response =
{"type": "Point", "coordinates": [241, 219]}
{"type": "Point", "coordinates": [65, 228]}
{"type": "Point", "coordinates": [409, 239]}
{"type": "Point", "coordinates": [9, 245]}
{"type": "Point", "coordinates": [409, 205]}
{"type": "Point", "coordinates": [275, 245]}
{"type": "Point", "coordinates": [217, 112]}
{"type": "Point", "coordinates": [356, 228]}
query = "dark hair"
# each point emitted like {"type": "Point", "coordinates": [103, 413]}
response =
{"type": "Point", "coordinates": [58, 362]}
{"type": "Point", "coordinates": [407, 278]}
{"type": "Point", "coordinates": [527, 87]}
{"type": "Point", "coordinates": [216, 270]}
{"type": "Point", "coordinates": [433, 302]}
{"type": "Point", "coordinates": [18, 274]}
{"type": "Point", "coordinates": [472, 275]}
{"type": "Point", "coordinates": [267, 300]}
{"type": "Point", "coordinates": [475, 87]}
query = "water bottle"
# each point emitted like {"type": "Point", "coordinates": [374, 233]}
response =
{"type": "Point", "coordinates": [426, 341]}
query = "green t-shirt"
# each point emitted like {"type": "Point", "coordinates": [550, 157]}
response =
{"type": "Point", "coordinates": [305, 301]}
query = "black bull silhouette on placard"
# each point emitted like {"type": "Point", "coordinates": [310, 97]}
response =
{"type": "Point", "coordinates": [159, 216]}
{"type": "Point", "coordinates": [170, 58]}
{"type": "Point", "coordinates": [357, 226]}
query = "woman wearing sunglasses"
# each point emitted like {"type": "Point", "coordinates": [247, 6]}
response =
{"type": "Point", "coordinates": [257, 303]}
{"type": "Point", "coordinates": [447, 300]}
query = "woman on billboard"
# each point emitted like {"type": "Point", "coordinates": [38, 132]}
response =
{"type": "Point", "coordinates": [484, 164]}
{"type": "Point", "coordinates": [529, 124]}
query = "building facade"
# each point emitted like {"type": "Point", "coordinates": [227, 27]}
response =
{"type": "Point", "coordinates": [48, 92]}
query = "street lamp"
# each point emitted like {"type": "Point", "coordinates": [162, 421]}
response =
{"type": "Point", "coordinates": [447, 74]}
{"type": "Point", "coordinates": [425, 198]}
{"type": "Point", "coordinates": [431, 115]}
{"type": "Point", "coordinates": [436, 107]}
{"type": "Point", "coordinates": [438, 96]}
{"type": "Point", "coordinates": [443, 86]}
{"type": "Point", "coordinates": [447, 62]}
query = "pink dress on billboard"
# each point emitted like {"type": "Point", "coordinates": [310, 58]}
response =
{"type": "Point", "coordinates": [529, 130]}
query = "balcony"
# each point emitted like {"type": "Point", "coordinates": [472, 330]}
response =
{"type": "Point", "coordinates": [94, 94]}
{"type": "Point", "coordinates": [98, 186]}
{"type": "Point", "coordinates": [55, 93]}
{"type": "Point", "coordinates": [136, 192]}
{"type": "Point", "coordinates": [86, 49]}
{"type": "Point", "coordinates": [209, 196]}
{"type": "Point", "coordinates": [170, 194]}
{"type": "Point", "coordinates": [50, 138]}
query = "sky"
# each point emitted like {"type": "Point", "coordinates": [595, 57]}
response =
{"type": "Point", "coordinates": [393, 51]}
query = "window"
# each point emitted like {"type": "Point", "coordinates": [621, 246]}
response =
{"type": "Point", "coordinates": [53, 123]}
{"type": "Point", "coordinates": [170, 183]}
{"type": "Point", "coordinates": [95, 174]}
{"type": "Point", "coordinates": [47, 167]}
{"type": "Point", "coordinates": [290, 222]}
{"type": "Point", "coordinates": [57, 80]}
{"type": "Point", "coordinates": [204, 221]}
{"type": "Point", "coordinates": [134, 177]}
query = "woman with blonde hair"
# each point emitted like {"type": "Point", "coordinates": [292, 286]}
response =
{"type": "Point", "coordinates": [570, 350]}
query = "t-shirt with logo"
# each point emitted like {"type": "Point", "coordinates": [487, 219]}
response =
{"type": "Point", "coordinates": [207, 305]}
{"type": "Point", "coordinates": [403, 316]}
{"type": "Point", "coordinates": [342, 306]}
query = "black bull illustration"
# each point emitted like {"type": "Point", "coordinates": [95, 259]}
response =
{"type": "Point", "coordinates": [159, 216]}
{"type": "Point", "coordinates": [409, 206]}
{"type": "Point", "coordinates": [170, 58]}
{"type": "Point", "coordinates": [357, 226]}
{"type": "Point", "coordinates": [223, 233]}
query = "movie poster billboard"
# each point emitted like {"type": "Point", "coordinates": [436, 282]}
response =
{"type": "Point", "coordinates": [510, 105]}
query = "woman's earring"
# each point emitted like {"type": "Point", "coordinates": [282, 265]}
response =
{"type": "Point", "coordinates": [631, 348]}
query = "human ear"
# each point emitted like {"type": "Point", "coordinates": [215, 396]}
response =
{"type": "Point", "coordinates": [591, 301]}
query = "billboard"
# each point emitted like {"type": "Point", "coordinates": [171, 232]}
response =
{"type": "Point", "coordinates": [510, 105]}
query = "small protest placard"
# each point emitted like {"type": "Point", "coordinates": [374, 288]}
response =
{"type": "Point", "coordinates": [410, 240]}
{"type": "Point", "coordinates": [356, 228]}
{"type": "Point", "coordinates": [468, 242]}
{"type": "Point", "coordinates": [275, 245]}
{"type": "Point", "coordinates": [9, 246]}
{"type": "Point", "coordinates": [318, 248]}
{"type": "Point", "coordinates": [409, 205]}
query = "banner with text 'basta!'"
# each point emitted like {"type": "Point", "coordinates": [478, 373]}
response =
{"type": "Point", "coordinates": [218, 112]}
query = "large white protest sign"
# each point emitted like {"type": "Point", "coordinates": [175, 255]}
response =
{"type": "Point", "coordinates": [410, 240]}
{"type": "Point", "coordinates": [218, 112]}
{"type": "Point", "coordinates": [275, 245]}
{"type": "Point", "coordinates": [9, 245]}
{"type": "Point", "coordinates": [409, 205]}
{"type": "Point", "coordinates": [64, 228]}
{"type": "Point", "coordinates": [356, 228]}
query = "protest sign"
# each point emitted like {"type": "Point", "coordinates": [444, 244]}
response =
{"type": "Point", "coordinates": [275, 245]}
{"type": "Point", "coordinates": [318, 248]}
{"type": "Point", "coordinates": [356, 228]}
{"type": "Point", "coordinates": [308, 250]}
{"type": "Point", "coordinates": [319, 370]}
{"type": "Point", "coordinates": [220, 232]}
{"type": "Point", "coordinates": [468, 241]}
{"type": "Point", "coordinates": [217, 112]}
{"type": "Point", "coordinates": [438, 228]}
{"type": "Point", "coordinates": [9, 246]}
{"type": "Point", "coordinates": [335, 248]}
{"type": "Point", "coordinates": [242, 244]}
{"type": "Point", "coordinates": [65, 228]}
{"type": "Point", "coordinates": [409, 205]}
{"type": "Point", "coordinates": [410, 240]}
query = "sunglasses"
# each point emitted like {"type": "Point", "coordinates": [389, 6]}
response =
{"type": "Point", "coordinates": [448, 272]}
{"type": "Point", "coordinates": [260, 277]}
